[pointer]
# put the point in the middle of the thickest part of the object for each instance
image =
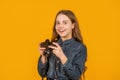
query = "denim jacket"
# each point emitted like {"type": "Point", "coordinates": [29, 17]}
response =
{"type": "Point", "coordinates": [76, 53]}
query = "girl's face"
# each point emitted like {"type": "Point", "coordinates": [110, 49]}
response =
{"type": "Point", "coordinates": [64, 26]}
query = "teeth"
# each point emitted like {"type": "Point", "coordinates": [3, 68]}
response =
{"type": "Point", "coordinates": [61, 30]}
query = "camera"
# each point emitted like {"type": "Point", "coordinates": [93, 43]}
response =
{"type": "Point", "coordinates": [45, 44]}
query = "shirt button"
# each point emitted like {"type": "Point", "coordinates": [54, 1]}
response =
{"type": "Point", "coordinates": [56, 67]}
{"type": "Point", "coordinates": [55, 77]}
{"type": "Point", "coordinates": [57, 61]}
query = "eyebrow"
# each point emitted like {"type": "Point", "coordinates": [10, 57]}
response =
{"type": "Point", "coordinates": [63, 20]}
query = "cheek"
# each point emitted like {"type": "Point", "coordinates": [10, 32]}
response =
{"type": "Point", "coordinates": [55, 26]}
{"type": "Point", "coordinates": [70, 28]}
{"type": "Point", "coordinates": [56, 29]}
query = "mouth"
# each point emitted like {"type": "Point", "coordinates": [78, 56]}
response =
{"type": "Point", "coordinates": [61, 31]}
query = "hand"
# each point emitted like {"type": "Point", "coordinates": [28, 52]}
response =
{"type": "Point", "coordinates": [42, 49]}
{"type": "Point", "coordinates": [41, 52]}
{"type": "Point", "coordinates": [58, 52]}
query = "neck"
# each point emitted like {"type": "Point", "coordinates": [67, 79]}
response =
{"type": "Point", "coordinates": [63, 39]}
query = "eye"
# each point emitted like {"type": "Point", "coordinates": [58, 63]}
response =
{"type": "Point", "coordinates": [64, 22]}
{"type": "Point", "coordinates": [57, 23]}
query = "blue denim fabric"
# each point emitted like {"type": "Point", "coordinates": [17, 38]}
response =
{"type": "Point", "coordinates": [76, 53]}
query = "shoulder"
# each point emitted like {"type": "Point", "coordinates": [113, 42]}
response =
{"type": "Point", "coordinates": [78, 47]}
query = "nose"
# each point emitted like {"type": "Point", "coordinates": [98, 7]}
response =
{"type": "Point", "coordinates": [61, 25]}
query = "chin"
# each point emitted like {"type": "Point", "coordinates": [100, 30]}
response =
{"type": "Point", "coordinates": [62, 35]}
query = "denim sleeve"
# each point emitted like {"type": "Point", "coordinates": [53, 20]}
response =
{"type": "Point", "coordinates": [41, 68]}
{"type": "Point", "coordinates": [75, 68]}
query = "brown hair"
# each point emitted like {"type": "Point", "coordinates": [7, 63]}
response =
{"type": "Point", "coordinates": [75, 32]}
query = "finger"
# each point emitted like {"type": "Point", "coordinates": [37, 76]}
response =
{"type": "Point", "coordinates": [53, 47]}
{"type": "Point", "coordinates": [56, 44]}
{"type": "Point", "coordinates": [42, 48]}
{"type": "Point", "coordinates": [54, 51]}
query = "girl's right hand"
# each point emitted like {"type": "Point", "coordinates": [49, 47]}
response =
{"type": "Point", "coordinates": [42, 54]}
{"type": "Point", "coordinates": [42, 51]}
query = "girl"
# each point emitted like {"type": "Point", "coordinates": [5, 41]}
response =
{"type": "Point", "coordinates": [68, 56]}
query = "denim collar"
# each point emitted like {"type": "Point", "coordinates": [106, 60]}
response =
{"type": "Point", "coordinates": [66, 41]}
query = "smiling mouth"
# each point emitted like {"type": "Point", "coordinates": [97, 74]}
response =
{"type": "Point", "coordinates": [61, 31]}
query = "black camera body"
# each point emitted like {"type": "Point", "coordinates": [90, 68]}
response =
{"type": "Point", "coordinates": [45, 44]}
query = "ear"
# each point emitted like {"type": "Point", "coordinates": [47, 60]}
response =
{"type": "Point", "coordinates": [73, 25]}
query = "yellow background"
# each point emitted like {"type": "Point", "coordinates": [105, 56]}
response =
{"type": "Point", "coordinates": [25, 23]}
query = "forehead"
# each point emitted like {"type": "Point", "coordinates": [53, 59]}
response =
{"type": "Point", "coordinates": [62, 17]}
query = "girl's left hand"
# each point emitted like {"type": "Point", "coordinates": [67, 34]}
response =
{"type": "Point", "coordinates": [58, 52]}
